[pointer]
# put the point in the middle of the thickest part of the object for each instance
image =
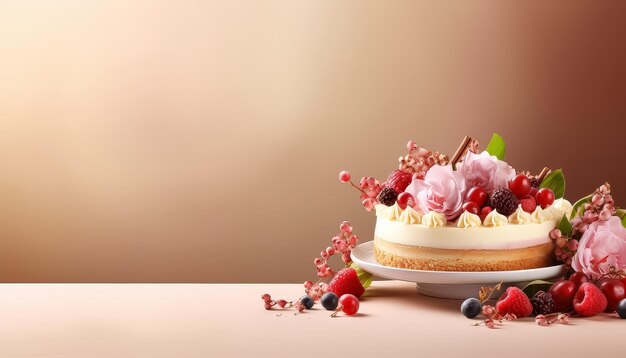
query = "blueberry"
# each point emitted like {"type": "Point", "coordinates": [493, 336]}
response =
{"type": "Point", "coordinates": [329, 301]}
{"type": "Point", "coordinates": [307, 301]}
{"type": "Point", "coordinates": [471, 307]}
{"type": "Point", "coordinates": [621, 308]}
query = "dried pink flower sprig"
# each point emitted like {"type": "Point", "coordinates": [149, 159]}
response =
{"type": "Point", "coordinates": [493, 319]}
{"type": "Point", "coordinates": [545, 320]}
{"type": "Point", "coordinates": [600, 207]}
{"type": "Point", "coordinates": [419, 160]}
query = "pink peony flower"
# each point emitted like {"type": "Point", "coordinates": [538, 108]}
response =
{"type": "Point", "coordinates": [485, 171]}
{"type": "Point", "coordinates": [442, 190]}
{"type": "Point", "coordinates": [602, 244]}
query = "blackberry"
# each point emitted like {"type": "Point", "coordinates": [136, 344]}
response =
{"type": "Point", "coordinates": [542, 303]}
{"type": "Point", "coordinates": [504, 201]}
{"type": "Point", "coordinates": [388, 196]}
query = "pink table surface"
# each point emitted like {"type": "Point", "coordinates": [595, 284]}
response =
{"type": "Point", "coordinates": [228, 320]}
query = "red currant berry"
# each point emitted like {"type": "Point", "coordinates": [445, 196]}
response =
{"type": "Point", "coordinates": [471, 207]}
{"type": "Point", "coordinates": [533, 192]}
{"type": "Point", "coordinates": [477, 195]}
{"type": "Point", "coordinates": [344, 176]}
{"type": "Point", "coordinates": [484, 212]}
{"type": "Point", "coordinates": [349, 304]}
{"type": "Point", "coordinates": [520, 185]}
{"type": "Point", "coordinates": [563, 293]}
{"type": "Point", "coordinates": [614, 291]}
{"type": "Point", "coordinates": [405, 199]}
{"type": "Point", "coordinates": [578, 278]}
{"type": "Point", "coordinates": [544, 197]}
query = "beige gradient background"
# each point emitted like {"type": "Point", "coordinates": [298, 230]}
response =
{"type": "Point", "coordinates": [200, 141]}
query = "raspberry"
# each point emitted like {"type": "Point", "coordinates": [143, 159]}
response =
{"type": "Point", "coordinates": [542, 303]}
{"type": "Point", "coordinates": [346, 281]}
{"type": "Point", "coordinates": [504, 201]}
{"type": "Point", "coordinates": [529, 204]}
{"type": "Point", "coordinates": [388, 196]}
{"type": "Point", "coordinates": [589, 300]}
{"type": "Point", "coordinates": [398, 181]}
{"type": "Point", "coordinates": [514, 301]}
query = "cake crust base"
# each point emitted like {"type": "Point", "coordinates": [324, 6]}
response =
{"type": "Point", "coordinates": [433, 259]}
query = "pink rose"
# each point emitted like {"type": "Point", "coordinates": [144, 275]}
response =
{"type": "Point", "coordinates": [485, 171]}
{"type": "Point", "coordinates": [601, 245]}
{"type": "Point", "coordinates": [442, 190]}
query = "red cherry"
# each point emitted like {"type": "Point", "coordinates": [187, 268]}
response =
{"type": "Point", "coordinates": [563, 293]}
{"type": "Point", "coordinates": [484, 212]}
{"type": "Point", "coordinates": [349, 304]}
{"type": "Point", "coordinates": [520, 185]}
{"type": "Point", "coordinates": [471, 207]}
{"type": "Point", "coordinates": [477, 195]}
{"type": "Point", "coordinates": [544, 197]}
{"type": "Point", "coordinates": [405, 199]}
{"type": "Point", "coordinates": [614, 291]}
{"type": "Point", "coordinates": [533, 192]}
{"type": "Point", "coordinates": [578, 278]}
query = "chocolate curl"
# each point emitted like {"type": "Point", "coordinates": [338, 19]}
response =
{"type": "Point", "coordinates": [461, 150]}
{"type": "Point", "coordinates": [545, 171]}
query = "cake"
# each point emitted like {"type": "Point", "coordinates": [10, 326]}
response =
{"type": "Point", "coordinates": [471, 212]}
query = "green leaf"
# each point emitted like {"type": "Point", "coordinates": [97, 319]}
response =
{"type": "Point", "coordinates": [496, 146]}
{"type": "Point", "coordinates": [555, 181]}
{"type": "Point", "coordinates": [364, 276]}
{"type": "Point", "coordinates": [579, 205]}
{"type": "Point", "coordinates": [535, 286]}
{"type": "Point", "coordinates": [565, 226]}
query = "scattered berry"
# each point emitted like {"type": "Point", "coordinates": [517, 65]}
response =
{"type": "Point", "coordinates": [542, 303]}
{"type": "Point", "coordinates": [346, 281]}
{"type": "Point", "coordinates": [514, 301]}
{"type": "Point", "coordinates": [589, 300]}
{"type": "Point", "coordinates": [544, 197]}
{"type": "Point", "coordinates": [471, 307]}
{"type": "Point", "coordinates": [388, 196]}
{"type": "Point", "coordinates": [484, 212]}
{"type": "Point", "coordinates": [398, 180]}
{"type": "Point", "coordinates": [307, 301]}
{"type": "Point", "coordinates": [471, 207]}
{"type": "Point", "coordinates": [504, 201]}
{"type": "Point", "coordinates": [344, 176]}
{"type": "Point", "coordinates": [520, 185]}
{"type": "Point", "coordinates": [621, 309]}
{"type": "Point", "coordinates": [614, 291]}
{"type": "Point", "coordinates": [405, 199]}
{"type": "Point", "coordinates": [533, 191]}
{"type": "Point", "coordinates": [349, 304]}
{"type": "Point", "coordinates": [528, 203]}
{"type": "Point", "coordinates": [578, 278]}
{"type": "Point", "coordinates": [563, 293]}
{"type": "Point", "coordinates": [477, 195]}
{"type": "Point", "coordinates": [329, 301]}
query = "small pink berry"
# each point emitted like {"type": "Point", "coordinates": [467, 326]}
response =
{"type": "Point", "coordinates": [330, 251]}
{"type": "Point", "coordinates": [352, 240]}
{"type": "Point", "coordinates": [266, 297]}
{"type": "Point", "coordinates": [572, 244]}
{"type": "Point", "coordinates": [582, 228]}
{"type": "Point", "coordinates": [597, 200]}
{"type": "Point", "coordinates": [281, 303]}
{"type": "Point", "coordinates": [308, 284]}
{"type": "Point", "coordinates": [268, 306]}
{"type": "Point", "coordinates": [561, 242]}
{"type": "Point", "coordinates": [368, 204]}
{"type": "Point", "coordinates": [410, 145]}
{"type": "Point", "coordinates": [317, 261]}
{"type": "Point", "coordinates": [345, 227]}
{"type": "Point", "coordinates": [344, 176]}
{"type": "Point", "coordinates": [605, 215]}
{"type": "Point", "coordinates": [555, 234]}
{"type": "Point", "coordinates": [488, 311]}
{"type": "Point", "coordinates": [324, 255]}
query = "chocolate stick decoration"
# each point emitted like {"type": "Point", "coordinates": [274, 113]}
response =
{"type": "Point", "coordinates": [545, 171]}
{"type": "Point", "coordinates": [459, 152]}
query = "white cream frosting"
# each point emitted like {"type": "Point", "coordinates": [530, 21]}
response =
{"type": "Point", "coordinates": [468, 219]}
{"type": "Point", "coordinates": [453, 237]}
{"type": "Point", "coordinates": [520, 216]}
{"type": "Point", "coordinates": [410, 216]}
{"type": "Point", "coordinates": [553, 212]}
{"type": "Point", "coordinates": [540, 215]}
{"type": "Point", "coordinates": [389, 212]}
{"type": "Point", "coordinates": [564, 205]}
{"type": "Point", "coordinates": [434, 219]}
{"type": "Point", "coordinates": [495, 219]}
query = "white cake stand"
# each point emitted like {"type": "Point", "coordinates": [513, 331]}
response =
{"type": "Point", "coordinates": [450, 284]}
